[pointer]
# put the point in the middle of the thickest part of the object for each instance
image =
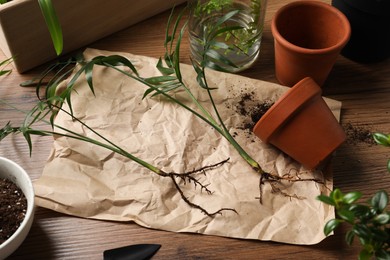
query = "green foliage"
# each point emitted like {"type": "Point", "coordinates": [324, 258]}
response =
{"type": "Point", "coordinates": [53, 24]}
{"type": "Point", "coordinates": [370, 222]}
{"type": "Point", "coordinates": [213, 17]}
{"type": "Point", "coordinates": [3, 66]}
{"type": "Point", "coordinates": [383, 139]}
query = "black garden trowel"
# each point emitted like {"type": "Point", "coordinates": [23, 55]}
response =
{"type": "Point", "coordinates": [132, 252]}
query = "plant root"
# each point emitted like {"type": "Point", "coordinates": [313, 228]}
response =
{"type": "Point", "coordinates": [189, 177]}
{"type": "Point", "coordinates": [274, 180]}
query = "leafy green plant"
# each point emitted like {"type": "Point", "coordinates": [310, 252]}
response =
{"type": "Point", "coordinates": [370, 222]}
{"type": "Point", "coordinates": [171, 79]}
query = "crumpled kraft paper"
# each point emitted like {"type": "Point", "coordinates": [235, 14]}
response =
{"type": "Point", "coordinates": [84, 180]}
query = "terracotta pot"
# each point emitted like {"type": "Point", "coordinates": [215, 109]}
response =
{"type": "Point", "coordinates": [370, 29]}
{"type": "Point", "coordinates": [309, 36]}
{"type": "Point", "coordinates": [301, 125]}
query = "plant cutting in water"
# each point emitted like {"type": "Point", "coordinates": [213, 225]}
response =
{"type": "Point", "coordinates": [171, 79]}
{"type": "Point", "coordinates": [238, 37]}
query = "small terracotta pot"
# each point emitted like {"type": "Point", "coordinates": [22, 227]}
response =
{"type": "Point", "coordinates": [308, 37]}
{"type": "Point", "coordinates": [301, 125]}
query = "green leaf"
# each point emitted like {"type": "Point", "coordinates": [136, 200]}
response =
{"type": "Point", "coordinates": [331, 225]}
{"type": "Point", "coordinates": [360, 211]}
{"type": "Point", "coordinates": [361, 231]}
{"type": "Point", "coordinates": [382, 139]}
{"type": "Point", "coordinates": [336, 195]}
{"type": "Point", "coordinates": [351, 197]}
{"type": "Point", "coordinates": [115, 60]}
{"type": "Point", "coordinates": [388, 165]}
{"type": "Point", "coordinates": [379, 235]}
{"type": "Point", "coordinates": [160, 79]}
{"type": "Point", "coordinates": [53, 24]}
{"type": "Point", "coordinates": [379, 200]}
{"type": "Point", "coordinates": [349, 237]}
{"type": "Point", "coordinates": [365, 255]}
{"type": "Point", "coordinates": [382, 254]}
{"type": "Point", "coordinates": [327, 200]}
{"type": "Point", "coordinates": [162, 69]}
{"type": "Point", "coordinates": [346, 215]}
{"type": "Point", "coordinates": [216, 56]}
{"type": "Point", "coordinates": [382, 219]}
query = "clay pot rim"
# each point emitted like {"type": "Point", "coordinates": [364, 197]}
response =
{"type": "Point", "coordinates": [296, 48]}
{"type": "Point", "coordinates": [265, 129]}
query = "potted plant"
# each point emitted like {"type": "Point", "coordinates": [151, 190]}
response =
{"type": "Point", "coordinates": [370, 221]}
{"type": "Point", "coordinates": [15, 220]}
{"type": "Point", "coordinates": [302, 125]}
{"type": "Point", "coordinates": [370, 29]}
{"type": "Point", "coordinates": [25, 37]}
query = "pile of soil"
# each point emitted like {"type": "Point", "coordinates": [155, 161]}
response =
{"type": "Point", "coordinates": [13, 208]}
{"type": "Point", "coordinates": [251, 110]}
{"type": "Point", "coordinates": [358, 134]}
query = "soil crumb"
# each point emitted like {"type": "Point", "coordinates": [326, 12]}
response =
{"type": "Point", "coordinates": [251, 110]}
{"type": "Point", "coordinates": [358, 134]}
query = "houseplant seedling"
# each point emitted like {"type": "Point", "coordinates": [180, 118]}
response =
{"type": "Point", "coordinates": [370, 221]}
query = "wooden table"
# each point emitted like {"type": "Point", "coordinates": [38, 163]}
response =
{"type": "Point", "coordinates": [358, 165]}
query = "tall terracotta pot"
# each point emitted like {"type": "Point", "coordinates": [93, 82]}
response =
{"type": "Point", "coordinates": [370, 29]}
{"type": "Point", "coordinates": [301, 125]}
{"type": "Point", "coordinates": [309, 36]}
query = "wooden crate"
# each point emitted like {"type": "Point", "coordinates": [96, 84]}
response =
{"type": "Point", "coordinates": [24, 35]}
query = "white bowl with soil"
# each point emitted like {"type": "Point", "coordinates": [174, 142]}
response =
{"type": "Point", "coordinates": [16, 217]}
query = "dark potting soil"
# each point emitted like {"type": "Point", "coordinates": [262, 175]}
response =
{"type": "Point", "coordinates": [13, 207]}
{"type": "Point", "coordinates": [251, 109]}
{"type": "Point", "coordinates": [358, 134]}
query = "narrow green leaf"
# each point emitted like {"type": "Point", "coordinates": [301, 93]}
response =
{"type": "Point", "coordinates": [115, 60]}
{"type": "Point", "coordinates": [160, 79]}
{"type": "Point", "coordinates": [214, 55]}
{"type": "Point", "coordinates": [53, 24]}
{"type": "Point", "coordinates": [88, 76]}
{"type": "Point", "coordinates": [388, 165]}
{"type": "Point", "coordinates": [162, 69]}
{"type": "Point", "coordinates": [28, 139]}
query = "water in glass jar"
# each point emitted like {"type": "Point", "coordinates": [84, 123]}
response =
{"type": "Point", "coordinates": [244, 43]}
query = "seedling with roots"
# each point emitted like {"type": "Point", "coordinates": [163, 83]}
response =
{"type": "Point", "coordinates": [170, 80]}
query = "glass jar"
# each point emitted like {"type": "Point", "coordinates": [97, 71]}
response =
{"type": "Point", "coordinates": [226, 34]}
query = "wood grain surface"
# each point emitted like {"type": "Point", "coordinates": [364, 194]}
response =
{"type": "Point", "coordinates": [364, 90]}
